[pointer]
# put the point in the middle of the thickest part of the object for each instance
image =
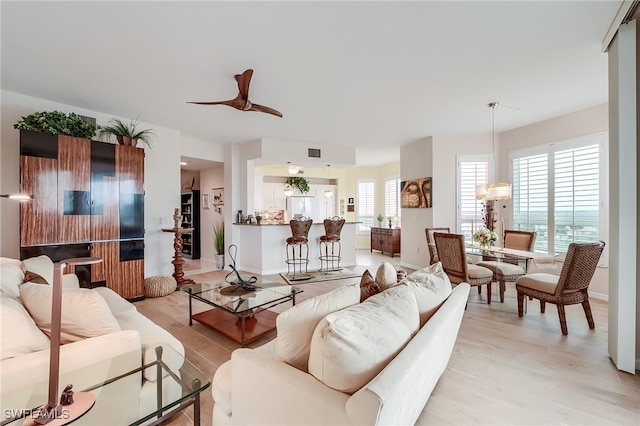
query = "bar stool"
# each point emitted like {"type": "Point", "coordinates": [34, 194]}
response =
{"type": "Point", "coordinates": [299, 239]}
{"type": "Point", "coordinates": [329, 245]}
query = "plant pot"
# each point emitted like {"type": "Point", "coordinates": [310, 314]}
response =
{"type": "Point", "coordinates": [220, 261]}
{"type": "Point", "coordinates": [126, 141]}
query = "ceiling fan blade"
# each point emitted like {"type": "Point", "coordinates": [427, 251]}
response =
{"type": "Point", "coordinates": [230, 103]}
{"type": "Point", "coordinates": [244, 80]}
{"type": "Point", "coordinates": [260, 108]}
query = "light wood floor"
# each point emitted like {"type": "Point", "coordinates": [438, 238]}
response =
{"type": "Point", "coordinates": [503, 370]}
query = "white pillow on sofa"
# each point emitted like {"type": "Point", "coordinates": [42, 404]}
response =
{"type": "Point", "coordinates": [296, 325]}
{"type": "Point", "coordinates": [18, 333]}
{"type": "Point", "coordinates": [431, 286]}
{"type": "Point", "coordinates": [41, 265]}
{"type": "Point", "coordinates": [11, 276]}
{"type": "Point", "coordinates": [386, 276]}
{"type": "Point", "coordinates": [351, 346]}
{"type": "Point", "coordinates": [84, 312]}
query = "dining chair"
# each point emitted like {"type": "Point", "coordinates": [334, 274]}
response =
{"type": "Point", "coordinates": [431, 244]}
{"type": "Point", "coordinates": [504, 271]}
{"type": "Point", "coordinates": [452, 255]}
{"type": "Point", "coordinates": [567, 289]}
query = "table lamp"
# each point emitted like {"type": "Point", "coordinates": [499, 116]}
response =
{"type": "Point", "coordinates": [75, 404]}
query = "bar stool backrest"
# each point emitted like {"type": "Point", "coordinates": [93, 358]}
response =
{"type": "Point", "coordinates": [300, 229]}
{"type": "Point", "coordinates": [333, 226]}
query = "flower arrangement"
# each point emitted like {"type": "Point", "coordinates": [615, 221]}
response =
{"type": "Point", "coordinates": [485, 237]}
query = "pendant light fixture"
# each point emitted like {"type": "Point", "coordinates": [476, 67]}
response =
{"type": "Point", "coordinates": [328, 193]}
{"type": "Point", "coordinates": [493, 191]}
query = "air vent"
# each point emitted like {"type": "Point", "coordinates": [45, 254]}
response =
{"type": "Point", "coordinates": [314, 153]}
{"type": "Point", "coordinates": [90, 120]}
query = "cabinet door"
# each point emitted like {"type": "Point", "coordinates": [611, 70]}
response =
{"type": "Point", "coordinates": [130, 174]}
{"type": "Point", "coordinates": [39, 217]}
{"type": "Point", "coordinates": [74, 186]}
{"type": "Point", "coordinates": [105, 201]}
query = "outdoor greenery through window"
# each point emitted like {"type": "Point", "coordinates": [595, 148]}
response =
{"type": "Point", "coordinates": [366, 205]}
{"type": "Point", "coordinates": [557, 187]}
{"type": "Point", "coordinates": [392, 197]}
{"type": "Point", "coordinates": [472, 171]}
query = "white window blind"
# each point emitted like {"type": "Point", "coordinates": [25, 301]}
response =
{"type": "Point", "coordinates": [366, 205]}
{"type": "Point", "coordinates": [576, 196]}
{"type": "Point", "coordinates": [531, 197]}
{"type": "Point", "coordinates": [471, 173]}
{"type": "Point", "coordinates": [556, 193]}
{"type": "Point", "coordinates": [392, 196]}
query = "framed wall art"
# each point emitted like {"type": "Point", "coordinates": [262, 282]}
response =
{"type": "Point", "coordinates": [218, 196]}
{"type": "Point", "coordinates": [416, 193]}
{"type": "Point", "coordinates": [205, 201]}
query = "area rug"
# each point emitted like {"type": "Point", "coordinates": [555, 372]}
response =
{"type": "Point", "coordinates": [318, 276]}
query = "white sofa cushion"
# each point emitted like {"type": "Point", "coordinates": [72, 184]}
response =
{"type": "Point", "coordinates": [222, 391]}
{"type": "Point", "coordinates": [84, 312]}
{"type": "Point", "coordinates": [41, 265]}
{"type": "Point", "coordinates": [18, 333]}
{"type": "Point", "coordinates": [11, 276]}
{"type": "Point", "coordinates": [116, 303]}
{"type": "Point", "coordinates": [152, 336]}
{"type": "Point", "coordinates": [386, 276]}
{"type": "Point", "coordinates": [350, 347]}
{"type": "Point", "coordinates": [296, 325]}
{"type": "Point", "coordinates": [431, 286]}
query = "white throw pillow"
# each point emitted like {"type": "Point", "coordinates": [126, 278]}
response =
{"type": "Point", "coordinates": [350, 347]}
{"type": "Point", "coordinates": [296, 325]}
{"type": "Point", "coordinates": [41, 265]}
{"type": "Point", "coordinates": [84, 312]}
{"type": "Point", "coordinates": [431, 286]}
{"type": "Point", "coordinates": [386, 276]}
{"type": "Point", "coordinates": [11, 276]}
{"type": "Point", "coordinates": [18, 333]}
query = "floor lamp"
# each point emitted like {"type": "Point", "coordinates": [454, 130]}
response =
{"type": "Point", "coordinates": [71, 405]}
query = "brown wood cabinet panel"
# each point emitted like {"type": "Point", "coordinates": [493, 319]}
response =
{"type": "Point", "coordinates": [39, 217]}
{"type": "Point", "coordinates": [130, 169]}
{"type": "Point", "coordinates": [106, 226]}
{"type": "Point", "coordinates": [74, 186]}
{"type": "Point", "coordinates": [107, 270]}
{"type": "Point", "coordinates": [131, 278]}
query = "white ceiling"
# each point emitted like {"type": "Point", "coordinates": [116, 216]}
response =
{"type": "Point", "coordinates": [373, 75]}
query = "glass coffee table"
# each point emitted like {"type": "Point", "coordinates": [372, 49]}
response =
{"type": "Point", "coordinates": [243, 316]}
{"type": "Point", "coordinates": [122, 397]}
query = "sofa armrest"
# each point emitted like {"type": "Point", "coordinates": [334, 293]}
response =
{"type": "Point", "coordinates": [266, 391]}
{"type": "Point", "coordinates": [417, 367]}
{"type": "Point", "coordinates": [70, 281]}
{"type": "Point", "coordinates": [26, 370]}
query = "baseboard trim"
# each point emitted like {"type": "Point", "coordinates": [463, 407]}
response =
{"type": "Point", "coordinates": [599, 296]}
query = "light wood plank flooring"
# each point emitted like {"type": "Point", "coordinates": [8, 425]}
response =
{"type": "Point", "coordinates": [504, 369]}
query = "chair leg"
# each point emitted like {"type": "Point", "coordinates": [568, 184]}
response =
{"type": "Point", "coordinates": [563, 319]}
{"type": "Point", "coordinates": [502, 288]}
{"type": "Point", "coordinates": [587, 311]}
{"type": "Point", "coordinates": [543, 305]}
{"type": "Point", "coordinates": [488, 293]}
{"type": "Point", "coordinates": [520, 304]}
{"type": "Point", "coordinates": [479, 289]}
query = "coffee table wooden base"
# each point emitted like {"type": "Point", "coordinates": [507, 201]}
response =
{"type": "Point", "coordinates": [231, 326]}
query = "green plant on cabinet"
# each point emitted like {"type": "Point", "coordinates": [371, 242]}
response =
{"type": "Point", "coordinates": [57, 123]}
{"type": "Point", "coordinates": [300, 183]}
{"type": "Point", "coordinates": [127, 133]}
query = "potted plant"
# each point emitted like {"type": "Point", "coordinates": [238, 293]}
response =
{"type": "Point", "coordinates": [218, 243]}
{"type": "Point", "coordinates": [299, 182]}
{"type": "Point", "coordinates": [126, 133]}
{"type": "Point", "coordinates": [57, 123]}
{"type": "Point", "coordinates": [380, 218]}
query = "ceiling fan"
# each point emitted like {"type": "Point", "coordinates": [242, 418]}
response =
{"type": "Point", "coordinates": [242, 101]}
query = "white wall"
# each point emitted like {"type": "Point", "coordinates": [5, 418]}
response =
{"type": "Point", "coordinates": [162, 178]}
{"type": "Point", "coordinates": [209, 179]}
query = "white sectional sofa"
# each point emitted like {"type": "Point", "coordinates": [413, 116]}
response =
{"type": "Point", "coordinates": [339, 361]}
{"type": "Point", "coordinates": [98, 325]}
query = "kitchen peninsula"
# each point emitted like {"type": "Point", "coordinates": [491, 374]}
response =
{"type": "Point", "coordinates": [262, 247]}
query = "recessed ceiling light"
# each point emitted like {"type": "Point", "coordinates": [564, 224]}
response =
{"type": "Point", "coordinates": [183, 163]}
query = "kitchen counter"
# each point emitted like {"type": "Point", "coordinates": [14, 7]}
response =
{"type": "Point", "coordinates": [262, 248]}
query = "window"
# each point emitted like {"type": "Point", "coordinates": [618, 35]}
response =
{"type": "Point", "coordinates": [392, 196]}
{"type": "Point", "coordinates": [366, 205]}
{"type": "Point", "coordinates": [556, 192]}
{"type": "Point", "coordinates": [472, 171]}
